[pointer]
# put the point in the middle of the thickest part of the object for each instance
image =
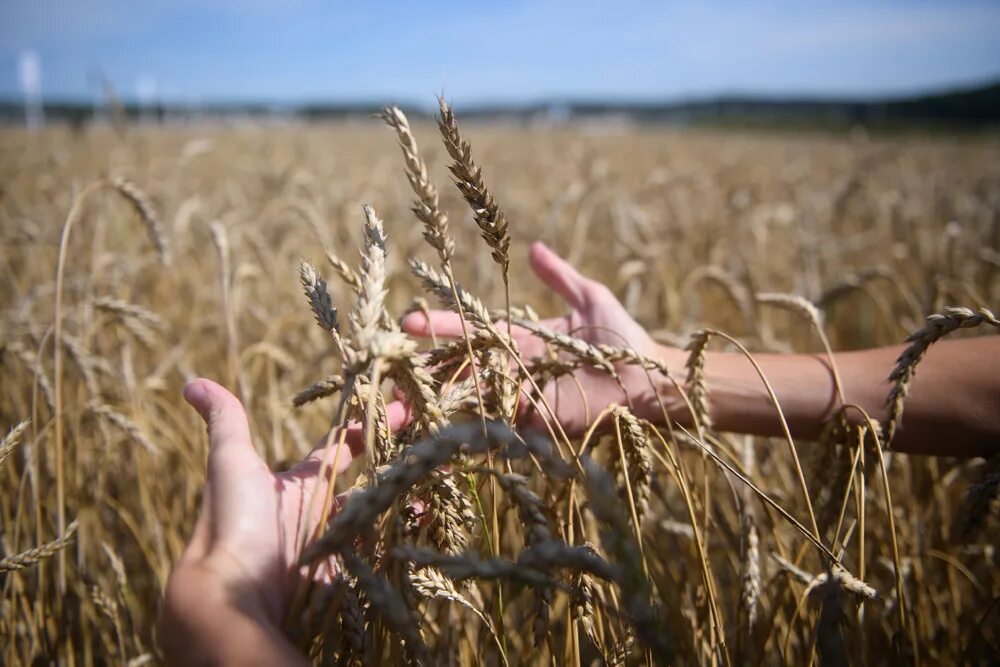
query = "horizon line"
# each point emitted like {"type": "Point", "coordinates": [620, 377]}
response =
{"type": "Point", "coordinates": [504, 102]}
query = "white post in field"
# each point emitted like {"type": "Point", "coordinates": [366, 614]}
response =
{"type": "Point", "coordinates": [30, 74]}
{"type": "Point", "coordinates": [145, 93]}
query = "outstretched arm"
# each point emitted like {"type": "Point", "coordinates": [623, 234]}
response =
{"type": "Point", "coordinates": [953, 408]}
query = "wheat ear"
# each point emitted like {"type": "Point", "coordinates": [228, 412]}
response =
{"type": "Point", "coordinates": [469, 179]}
{"type": "Point", "coordinates": [369, 308]}
{"type": "Point", "coordinates": [698, 391]}
{"type": "Point", "coordinates": [140, 202]}
{"type": "Point", "coordinates": [435, 222]}
{"type": "Point", "coordinates": [318, 296]}
{"type": "Point", "coordinates": [39, 553]}
{"type": "Point", "coordinates": [426, 207]}
{"type": "Point", "coordinates": [124, 424]}
{"type": "Point", "coordinates": [11, 440]}
{"type": "Point", "coordinates": [938, 326]}
{"type": "Point", "coordinates": [979, 499]}
{"type": "Point", "coordinates": [806, 309]}
{"type": "Point", "coordinates": [325, 387]}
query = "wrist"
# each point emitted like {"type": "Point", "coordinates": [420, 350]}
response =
{"type": "Point", "coordinates": [656, 392]}
{"type": "Point", "coordinates": [207, 616]}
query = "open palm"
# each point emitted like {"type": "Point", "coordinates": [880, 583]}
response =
{"type": "Point", "coordinates": [249, 533]}
{"type": "Point", "coordinates": [596, 316]}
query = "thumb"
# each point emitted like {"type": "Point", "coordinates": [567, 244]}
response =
{"type": "Point", "coordinates": [229, 440]}
{"type": "Point", "coordinates": [559, 275]}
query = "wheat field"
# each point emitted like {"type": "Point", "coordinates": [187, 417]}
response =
{"type": "Point", "coordinates": [183, 260]}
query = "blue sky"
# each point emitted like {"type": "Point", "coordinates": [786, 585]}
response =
{"type": "Point", "coordinates": [298, 50]}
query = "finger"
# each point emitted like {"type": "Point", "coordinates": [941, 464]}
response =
{"type": "Point", "coordinates": [557, 324]}
{"type": "Point", "coordinates": [442, 323]}
{"type": "Point", "coordinates": [558, 274]}
{"type": "Point", "coordinates": [230, 446]}
{"type": "Point", "coordinates": [447, 324]}
{"type": "Point", "coordinates": [398, 415]}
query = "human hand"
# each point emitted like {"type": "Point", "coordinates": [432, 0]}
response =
{"type": "Point", "coordinates": [595, 316]}
{"type": "Point", "coordinates": [227, 595]}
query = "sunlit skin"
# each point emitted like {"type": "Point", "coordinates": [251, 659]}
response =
{"type": "Point", "coordinates": [226, 597]}
{"type": "Point", "coordinates": [229, 590]}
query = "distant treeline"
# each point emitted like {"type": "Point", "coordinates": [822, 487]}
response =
{"type": "Point", "coordinates": [974, 108]}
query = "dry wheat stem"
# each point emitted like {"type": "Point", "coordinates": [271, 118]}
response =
{"type": "Point", "coordinates": [677, 470]}
{"type": "Point", "coordinates": [618, 543]}
{"type": "Point", "coordinates": [874, 429]}
{"type": "Point", "coordinates": [75, 215]}
{"type": "Point", "coordinates": [809, 535]}
{"type": "Point", "coordinates": [804, 307]}
{"type": "Point", "coordinates": [435, 222]}
{"type": "Point", "coordinates": [784, 426]}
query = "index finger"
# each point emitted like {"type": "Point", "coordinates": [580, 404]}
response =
{"type": "Point", "coordinates": [441, 323]}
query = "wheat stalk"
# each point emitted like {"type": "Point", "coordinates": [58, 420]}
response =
{"type": "Point", "coordinates": [805, 308]}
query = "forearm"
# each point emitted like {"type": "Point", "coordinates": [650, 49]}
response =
{"type": "Point", "coordinates": [206, 621]}
{"type": "Point", "coordinates": [952, 409]}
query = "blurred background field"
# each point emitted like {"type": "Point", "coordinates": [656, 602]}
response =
{"type": "Point", "coordinates": [682, 225]}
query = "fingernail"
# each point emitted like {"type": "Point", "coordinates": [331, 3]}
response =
{"type": "Point", "coordinates": [194, 392]}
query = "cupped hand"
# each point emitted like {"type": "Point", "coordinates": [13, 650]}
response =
{"type": "Point", "coordinates": [243, 556]}
{"type": "Point", "coordinates": [594, 315]}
